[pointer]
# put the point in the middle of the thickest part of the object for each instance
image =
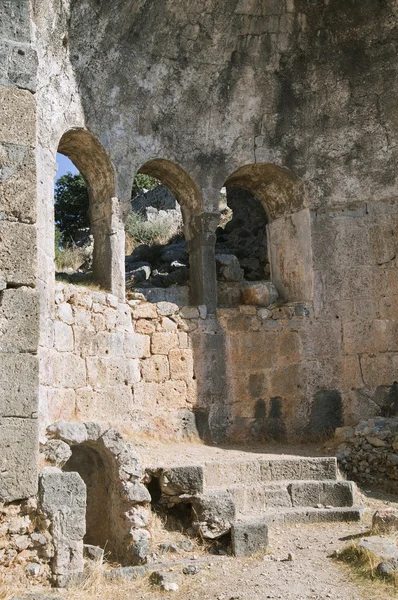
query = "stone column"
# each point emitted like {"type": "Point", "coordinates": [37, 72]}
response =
{"type": "Point", "coordinates": [19, 301]}
{"type": "Point", "coordinates": [109, 253]}
{"type": "Point", "coordinates": [201, 247]}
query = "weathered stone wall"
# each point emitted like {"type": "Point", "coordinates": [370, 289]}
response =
{"type": "Point", "coordinates": [294, 101]}
{"type": "Point", "coordinates": [19, 302]}
{"type": "Point", "coordinates": [125, 364]}
{"type": "Point", "coordinates": [26, 546]}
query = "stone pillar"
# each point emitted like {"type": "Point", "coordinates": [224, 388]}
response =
{"type": "Point", "coordinates": [19, 302]}
{"type": "Point", "coordinates": [201, 246]}
{"type": "Point", "coordinates": [109, 253]}
{"type": "Point", "coordinates": [63, 500]}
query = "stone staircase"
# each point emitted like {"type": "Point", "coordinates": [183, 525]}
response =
{"type": "Point", "coordinates": [248, 494]}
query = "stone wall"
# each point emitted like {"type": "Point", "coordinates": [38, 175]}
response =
{"type": "Point", "coordinates": [162, 369]}
{"type": "Point", "coordinates": [125, 364]}
{"type": "Point", "coordinates": [19, 302]}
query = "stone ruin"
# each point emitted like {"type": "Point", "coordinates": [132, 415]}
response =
{"type": "Point", "coordinates": [286, 336]}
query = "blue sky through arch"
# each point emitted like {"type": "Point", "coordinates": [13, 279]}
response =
{"type": "Point", "coordinates": [64, 166]}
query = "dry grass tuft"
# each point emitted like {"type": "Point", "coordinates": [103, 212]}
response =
{"type": "Point", "coordinates": [70, 258]}
{"type": "Point", "coordinates": [365, 563]}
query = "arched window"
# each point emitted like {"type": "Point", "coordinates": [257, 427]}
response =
{"type": "Point", "coordinates": [159, 229]}
{"type": "Point", "coordinates": [92, 162]}
{"type": "Point", "coordinates": [282, 223]}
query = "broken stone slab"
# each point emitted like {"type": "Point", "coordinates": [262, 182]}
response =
{"type": "Point", "coordinates": [249, 537]}
{"type": "Point", "coordinates": [71, 433]}
{"type": "Point", "coordinates": [57, 452]}
{"type": "Point", "coordinates": [385, 520]}
{"type": "Point", "coordinates": [93, 553]}
{"type": "Point", "coordinates": [259, 293]}
{"type": "Point", "coordinates": [228, 268]}
{"type": "Point", "coordinates": [136, 492]}
{"type": "Point", "coordinates": [384, 548]}
{"type": "Point", "coordinates": [215, 513]}
{"type": "Point", "coordinates": [166, 581]}
{"type": "Point", "coordinates": [182, 480]}
{"type": "Point", "coordinates": [126, 573]}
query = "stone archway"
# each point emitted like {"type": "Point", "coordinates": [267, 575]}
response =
{"type": "Point", "coordinates": [285, 201]}
{"type": "Point", "coordinates": [118, 514]}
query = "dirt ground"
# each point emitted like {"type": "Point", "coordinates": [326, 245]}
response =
{"type": "Point", "coordinates": [312, 574]}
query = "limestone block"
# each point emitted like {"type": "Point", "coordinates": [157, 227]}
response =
{"type": "Point", "coordinates": [253, 350]}
{"type": "Point", "coordinates": [19, 320]}
{"type": "Point", "coordinates": [137, 345]}
{"type": "Point", "coordinates": [166, 396]}
{"type": "Point", "coordinates": [183, 340]}
{"type": "Point", "coordinates": [18, 458]}
{"type": "Point", "coordinates": [168, 324]}
{"type": "Point", "coordinates": [249, 537]}
{"type": "Point", "coordinates": [19, 69]}
{"type": "Point", "coordinates": [63, 499]}
{"type": "Point", "coordinates": [63, 337]}
{"type": "Point", "coordinates": [84, 339]}
{"type": "Point", "coordinates": [366, 336]}
{"type": "Point", "coordinates": [166, 309]}
{"type": "Point", "coordinates": [162, 343]}
{"type": "Point", "coordinates": [57, 452]}
{"type": "Point", "coordinates": [72, 433]}
{"type": "Point", "coordinates": [228, 268]}
{"type": "Point", "coordinates": [182, 480]}
{"type": "Point", "coordinates": [181, 364]}
{"type": "Point", "coordinates": [108, 404]}
{"type": "Point", "coordinates": [145, 311]}
{"type": "Point", "coordinates": [321, 338]}
{"type": "Point", "coordinates": [108, 344]}
{"type": "Point", "coordinates": [189, 312]}
{"type": "Point", "coordinates": [379, 369]}
{"type": "Point", "coordinates": [145, 326]}
{"type": "Point", "coordinates": [17, 253]}
{"type": "Point", "coordinates": [19, 383]}
{"type": "Point", "coordinates": [18, 179]}
{"type": "Point", "coordinates": [139, 516]}
{"type": "Point", "coordinates": [289, 346]}
{"type": "Point", "coordinates": [141, 544]}
{"type": "Point", "coordinates": [136, 492]}
{"type": "Point", "coordinates": [155, 368]}
{"type": "Point", "coordinates": [60, 404]}
{"type": "Point", "coordinates": [259, 293]}
{"type": "Point", "coordinates": [15, 21]}
{"type": "Point", "coordinates": [65, 313]}
{"type": "Point", "coordinates": [66, 370]}
{"type": "Point", "coordinates": [17, 117]}
{"type": "Point", "coordinates": [104, 372]}
{"type": "Point", "coordinates": [383, 243]}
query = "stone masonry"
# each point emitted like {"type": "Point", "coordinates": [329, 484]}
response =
{"type": "Point", "coordinates": [294, 101]}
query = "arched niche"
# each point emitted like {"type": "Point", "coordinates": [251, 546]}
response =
{"type": "Point", "coordinates": [196, 228]}
{"type": "Point", "coordinates": [284, 198]}
{"type": "Point", "coordinates": [91, 159]}
{"type": "Point", "coordinates": [180, 184]}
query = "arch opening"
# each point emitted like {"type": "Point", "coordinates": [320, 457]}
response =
{"type": "Point", "coordinates": [95, 472]}
{"type": "Point", "coordinates": [279, 231]}
{"type": "Point", "coordinates": [158, 231]}
{"type": "Point", "coordinates": [91, 193]}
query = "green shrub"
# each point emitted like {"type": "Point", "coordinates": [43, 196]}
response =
{"type": "Point", "coordinates": [150, 233]}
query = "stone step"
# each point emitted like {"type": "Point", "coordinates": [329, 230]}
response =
{"type": "Point", "coordinates": [293, 516]}
{"type": "Point", "coordinates": [255, 470]}
{"type": "Point", "coordinates": [249, 534]}
{"type": "Point", "coordinates": [286, 494]}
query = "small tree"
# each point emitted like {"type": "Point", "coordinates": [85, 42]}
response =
{"type": "Point", "coordinates": [143, 182]}
{"type": "Point", "coordinates": [71, 205]}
